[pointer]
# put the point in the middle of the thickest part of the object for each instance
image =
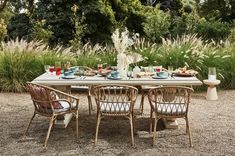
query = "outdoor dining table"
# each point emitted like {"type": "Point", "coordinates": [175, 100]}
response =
{"type": "Point", "coordinates": [65, 84]}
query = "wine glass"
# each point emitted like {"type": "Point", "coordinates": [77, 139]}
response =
{"type": "Point", "coordinates": [158, 69]}
{"type": "Point", "coordinates": [46, 67]}
{"type": "Point", "coordinates": [170, 70]}
{"type": "Point", "coordinates": [81, 71]}
{"type": "Point", "coordinates": [129, 73]}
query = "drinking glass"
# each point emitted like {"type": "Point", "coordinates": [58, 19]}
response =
{"type": "Point", "coordinates": [67, 66]}
{"type": "Point", "coordinates": [211, 73]}
{"type": "Point", "coordinates": [81, 71]}
{"type": "Point", "coordinates": [46, 67]}
{"type": "Point", "coordinates": [58, 68]}
{"type": "Point", "coordinates": [129, 73]}
{"type": "Point", "coordinates": [170, 70]}
{"type": "Point", "coordinates": [150, 69]}
{"type": "Point", "coordinates": [158, 69]}
{"type": "Point", "coordinates": [100, 67]}
{"type": "Point", "coordinates": [51, 69]}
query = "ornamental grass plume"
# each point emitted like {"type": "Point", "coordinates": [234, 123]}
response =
{"type": "Point", "coordinates": [121, 40]}
{"type": "Point", "coordinates": [19, 62]}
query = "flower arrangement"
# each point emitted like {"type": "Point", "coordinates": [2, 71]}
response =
{"type": "Point", "coordinates": [121, 42]}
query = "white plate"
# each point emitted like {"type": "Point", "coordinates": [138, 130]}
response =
{"type": "Point", "coordinates": [159, 77]}
{"type": "Point", "coordinates": [114, 78]}
{"type": "Point", "coordinates": [69, 77]}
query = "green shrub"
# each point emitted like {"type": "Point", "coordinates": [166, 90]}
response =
{"type": "Point", "coordinates": [40, 33]}
{"type": "Point", "coordinates": [157, 23]}
{"type": "Point", "coordinates": [213, 29]}
{"type": "Point", "coordinates": [19, 26]}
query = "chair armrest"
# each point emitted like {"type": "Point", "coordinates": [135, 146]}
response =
{"type": "Point", "coordinates": [65, 94]}
{"type": "Point", "coordinates": [69, 102]}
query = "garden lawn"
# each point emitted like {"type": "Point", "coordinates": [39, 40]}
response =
{"type": "Point", "coordinates": [212, 127]}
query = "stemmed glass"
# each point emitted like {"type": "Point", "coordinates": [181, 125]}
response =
{"type": "Point", "coordinates": [170, 71]}
{"type": "Point", "coordinates": [46, 67]}
{"type": "Point", "coordinates": [129, 73]}
{"type": "Point", "coordinates": [81, 71]}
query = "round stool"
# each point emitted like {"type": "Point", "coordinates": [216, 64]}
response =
{"type": "Point", "coordinates": [211, 90]}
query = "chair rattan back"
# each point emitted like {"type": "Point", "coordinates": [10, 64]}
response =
{"type": "Point", "coordinates": [115, 99]}
{"type": "Point", "coordinates": [170, 101]}
{"type": "Point", "coordinates": [42, 97]}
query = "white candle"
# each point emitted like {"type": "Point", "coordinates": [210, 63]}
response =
{"type": "Point", "coordinates": [212, 77]}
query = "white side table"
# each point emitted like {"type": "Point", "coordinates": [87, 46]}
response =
{"type": "Point", "coordinates": [211, 90]}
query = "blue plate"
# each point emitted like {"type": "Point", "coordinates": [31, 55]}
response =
{"type": "Point", "coordinates": [114, 78]}
{"type": "Point", "coordinates": [69, 77]}
{"type": "Point", "coordinates": [159, 77]}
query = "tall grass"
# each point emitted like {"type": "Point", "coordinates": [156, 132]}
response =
{"type": "Point", "coordinates": [90, 56]}
{"type": "Point", "coordinates": [21, 61]}
{"type": "Point", "coordinates": [193, 52]}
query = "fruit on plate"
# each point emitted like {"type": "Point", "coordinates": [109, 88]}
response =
{"type": "Point", "coordinates": [104, 72]}
{"type": "Point", "coordinates": [144, 74]}
{"type": "Point", "coordinates": [184, 71]}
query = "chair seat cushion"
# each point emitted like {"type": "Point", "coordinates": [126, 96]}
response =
{"type": "Point", "coordinates": [114, 107]}
{"type": "Point", "coordinates": [171, 109]}
{"type": "Point", "coordinates": [65, 106]}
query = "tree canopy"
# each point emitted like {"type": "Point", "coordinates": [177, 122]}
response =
{"type": "Point", "coordinates": [64, 21]}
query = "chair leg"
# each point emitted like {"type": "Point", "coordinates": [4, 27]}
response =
{"type": "Point", "coordinates": [154, 130]}
{"type": "Point", "coordinates": [151, 122]}
{"type": "Point", "coordinates": [133, 119]}
{"type": "Point", "coordinates": [77, 124]}
{"type": "Point", "coordinates": [29, 124]}
{"type": "Point", "coordinates": [188, 131]}
{"type": "Point", "coordinates": [142, 103]}
{"type": "Point", "coordinates": [89, 103]}
{"type": "Point", "coordinates": [132, 131]}
{"type": "Point", "coordinates": [97, 128]}
{"type": "Point", "coordinates": [49, 129]}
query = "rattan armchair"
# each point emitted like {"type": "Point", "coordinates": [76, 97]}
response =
{"type": "Point", "coordinates": [169, 103]}
{"type": "Point", "coordinates": [115, 101]}
{"type": "Point", "coordinates": [51, 103]}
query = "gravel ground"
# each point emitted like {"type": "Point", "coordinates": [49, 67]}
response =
{"type": "Point", "coordinates": [212, 127]}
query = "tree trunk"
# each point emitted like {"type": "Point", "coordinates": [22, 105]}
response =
{"type": "Point", "coordinates": [30, 6]}
{"type": "Point", "coordinates": [232, 2]}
